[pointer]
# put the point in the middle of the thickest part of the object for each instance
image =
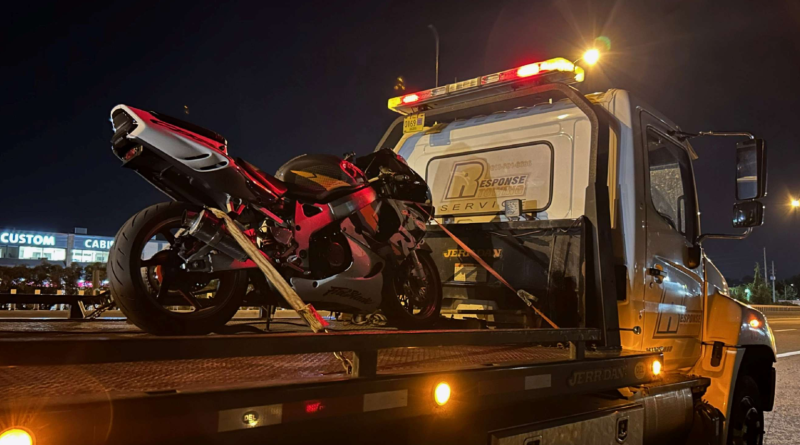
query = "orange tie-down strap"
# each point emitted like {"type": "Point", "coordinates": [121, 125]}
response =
{"type": "Point", "coordinates": [491, 270]}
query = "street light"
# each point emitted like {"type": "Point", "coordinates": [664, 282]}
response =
{"type": "Point", "coordinates": [591, 56]}
{"type": "Point", "coordinates": [795, 203]}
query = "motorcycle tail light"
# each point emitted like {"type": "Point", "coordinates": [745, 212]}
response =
{"type": "Point", "coordinates": [132, 153]}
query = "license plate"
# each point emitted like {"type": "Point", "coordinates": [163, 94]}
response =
{"type": "Point", "coordinates": [414, 123]}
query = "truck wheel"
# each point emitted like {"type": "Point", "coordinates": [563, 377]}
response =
{"type": "Point", "coordinates": [410, 302]}
{"type": "Point", "coordinates": [747, 414]}
{"type": "Point", "coordinates": [154, 292]}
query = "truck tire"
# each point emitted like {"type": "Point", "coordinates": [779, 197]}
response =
{"type": "Point", "coordinates": [747, 414]}
{"type": "Point", "coordinates": [136, 282]}
{"type": "Point", "coordinates": [397, 303]}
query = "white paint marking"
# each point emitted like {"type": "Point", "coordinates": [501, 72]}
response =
{"type": "Point", "coordinates": [784, 330]}
{"type": "Point", "coordinates": [788, 354]}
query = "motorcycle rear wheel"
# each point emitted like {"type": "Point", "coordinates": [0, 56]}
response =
{"type": "Point", "coordinates": [412, 303]}
{"type": "Point", "coordinates": [153, 291]}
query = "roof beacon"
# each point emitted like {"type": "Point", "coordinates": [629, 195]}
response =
{"type": "Point", "coordinates": [549, 71]}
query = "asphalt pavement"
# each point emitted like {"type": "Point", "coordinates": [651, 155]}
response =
{"type": "Point", "coordinates": [783, 423]}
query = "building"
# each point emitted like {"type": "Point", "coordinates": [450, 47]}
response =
{"type": "Point", "coordinates": [29, 248]}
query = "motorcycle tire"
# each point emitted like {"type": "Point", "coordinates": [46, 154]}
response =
{"type": "Point", "coordinates": [397, 314]}
{"type": "Point", "coordinates": [132, 284]}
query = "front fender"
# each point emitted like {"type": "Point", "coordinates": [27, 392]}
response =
{"type": "Point", "coordinates": [747, 342]}
{"type": "Point", "coordinates": [734, 323]}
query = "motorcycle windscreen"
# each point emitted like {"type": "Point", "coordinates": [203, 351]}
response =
{"type": "Point", "coordinates": [478, 182]}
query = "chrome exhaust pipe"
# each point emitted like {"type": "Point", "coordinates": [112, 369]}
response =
{"type": "Point", "coordinates": [210, 231]}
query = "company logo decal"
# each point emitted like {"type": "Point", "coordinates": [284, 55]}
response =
{"type": "Point", "coordinates": [640, 370]}
{"type": "Point", "coordinates": [597, 375]}
{"type": "Point", "coordinates": [345, 292]}
{"type": "Point", "coordinates": [471, 180]}
{"type": "Point", "coordinates": [483, 253]}
{"type": "Point", "coordinates": [674, 319]}
{"type": "Point", "coordinates": [250, 418]}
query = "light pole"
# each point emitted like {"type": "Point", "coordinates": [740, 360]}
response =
{"type": "Point", "coordinates": [436, 39]}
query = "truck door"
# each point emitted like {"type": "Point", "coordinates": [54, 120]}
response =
{"type": "Point", "coordinates": [673, 291]}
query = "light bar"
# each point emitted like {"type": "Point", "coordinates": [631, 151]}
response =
{"type": "Point", "coordinates": [403, 104]}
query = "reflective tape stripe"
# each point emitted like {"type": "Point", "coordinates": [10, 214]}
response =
{"type": "Point", "coordinates": [385, 400]}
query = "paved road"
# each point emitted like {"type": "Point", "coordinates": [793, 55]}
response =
{"type": "Point", "coordinates": [783, 423]}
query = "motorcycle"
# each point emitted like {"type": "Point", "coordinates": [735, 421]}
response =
{"type": "Point", "coordinates": [346, 234]}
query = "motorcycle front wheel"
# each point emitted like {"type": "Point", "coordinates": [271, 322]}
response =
{"type": "Point", "coordinates": [413, 302]}
{"type": "Point", "coordinates": [154, 292]}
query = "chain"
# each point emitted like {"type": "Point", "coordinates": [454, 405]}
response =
{"type": "Point", "coordinates": [347, 364]}
{"type": "Point", "coordinates": [100, 309]}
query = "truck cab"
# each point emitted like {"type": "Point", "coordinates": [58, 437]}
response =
{"type": "Point", "coordinates": [502, 151]}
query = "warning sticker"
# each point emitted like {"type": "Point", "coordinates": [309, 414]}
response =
{"type": "Point", "coordinates": [467, 273]}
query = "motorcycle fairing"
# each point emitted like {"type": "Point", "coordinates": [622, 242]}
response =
{"type": "Point", "coordinates": [360, 285]}
{"type": "Point", "coordinates": [190, 149]}
{"type": "Point", "coordinates": [309, 221]}
{"type": "Point", "coordinates": [184, 165]}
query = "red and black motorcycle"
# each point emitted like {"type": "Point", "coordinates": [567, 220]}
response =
{"type": "Point", "coordinates": [346, 235]}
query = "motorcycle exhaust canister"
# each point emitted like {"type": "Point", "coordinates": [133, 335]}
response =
{"type": "Point", "coordinates": [209, 230]}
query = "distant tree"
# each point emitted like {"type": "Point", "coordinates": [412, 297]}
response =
{"type": "Point", "coordinates": [794, 280]}
{"type": "Point", "coordinates": [72, 274]}
{"type": "Point", "coordinates": [785, 291]}
{"type": "Point", "coordinates": [740, 293]}
{"type": "Point", "coordinates": [89, 275]}
{"type": "Point", "coordinates": [760, 292]}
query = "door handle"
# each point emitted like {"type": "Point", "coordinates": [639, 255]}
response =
{"type": "Point", "coordinates": [657, 273]}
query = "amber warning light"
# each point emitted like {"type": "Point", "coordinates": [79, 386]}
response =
{"type": "Point", "coordinates": [572, 74]}
{"type": "Point", "coordinates": [441, 395]}
{"type": "Point", "coordinates": [16, 436]}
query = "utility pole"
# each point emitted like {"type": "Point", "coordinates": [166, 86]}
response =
{"type": "Point", "coordinates": [773, 281]}
{"type": "Point", "coordinates": [436, 38]}
{"type": "Point", "coordinates": [765, 265]}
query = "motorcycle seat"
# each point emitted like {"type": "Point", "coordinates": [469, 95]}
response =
{"type": "Point", "coordinates": [296, 191]}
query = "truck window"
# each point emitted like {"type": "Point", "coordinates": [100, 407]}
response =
{"type": "Point", "coordinates": [671, 186]}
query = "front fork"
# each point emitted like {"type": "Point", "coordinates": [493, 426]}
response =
{"type": "Point", "coordinates": [418, 271]}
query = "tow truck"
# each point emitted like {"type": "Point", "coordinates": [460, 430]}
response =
{"type": "Point", "coordinates": [624, 334]}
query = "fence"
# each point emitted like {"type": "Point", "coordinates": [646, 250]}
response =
{"type": "Point", "coordinates": [776, 310]}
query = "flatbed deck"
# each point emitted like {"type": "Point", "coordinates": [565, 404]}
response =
{"type": "Point", "coordinates": [136, 388]}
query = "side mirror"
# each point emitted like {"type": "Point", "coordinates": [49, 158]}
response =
{"type": "Point", "coordinates": [748, 214]}
{"type": "Point", "coordinates": [751, 170]}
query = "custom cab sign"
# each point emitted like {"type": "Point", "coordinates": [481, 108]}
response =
{"type": "Point", "coordinates": [36, 239]}
{"type": "Point", "coordinates": [29, 239]}
{"type": "Point", "coordinates": [92, 243]}
{"type": "Point", "coordinates": [477, 183]}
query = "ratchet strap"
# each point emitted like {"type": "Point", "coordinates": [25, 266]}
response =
{"type": "Point", "coordinates": [306, 311]}
{"type": "Point", "coordinates": [525, 296]}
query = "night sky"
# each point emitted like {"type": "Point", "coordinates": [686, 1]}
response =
{"type": "Point", "coordinates": [315, 77]}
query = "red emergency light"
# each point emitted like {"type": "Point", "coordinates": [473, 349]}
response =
{"type": "Point", "coordinates": [403, 104]}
